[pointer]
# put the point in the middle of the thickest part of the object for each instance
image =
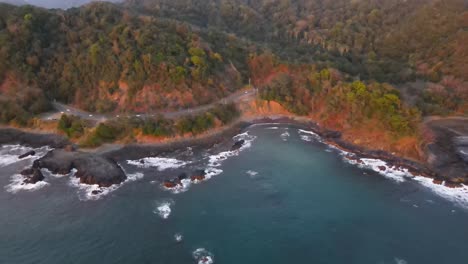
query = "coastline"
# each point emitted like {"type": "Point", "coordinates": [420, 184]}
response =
{"type": "Point", "coordinates": [135, 151]}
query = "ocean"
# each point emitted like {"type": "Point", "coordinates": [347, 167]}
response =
{"type": "Point", "coordinates": [284, 197]}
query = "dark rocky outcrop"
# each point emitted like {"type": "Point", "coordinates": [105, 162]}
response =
{"type": "Point", "coordinates": [238, 144]}
{"type": "Point", "coordinates": [171, 184]}
{"type": "Point", "coordinates": [27, 154]}
{"type": "Point", "coordinates": [91, 168]}
{"type": "Point", "coordinates": [32, 175]}
{"type": "Point", "coordinates": [198, 175]}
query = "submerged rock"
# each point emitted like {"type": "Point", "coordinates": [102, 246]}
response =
{"type": "Point", "coordinates": [27, 154]}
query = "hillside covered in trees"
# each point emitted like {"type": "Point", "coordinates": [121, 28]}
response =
{"type": "Point", "coordinates": [153, 55]}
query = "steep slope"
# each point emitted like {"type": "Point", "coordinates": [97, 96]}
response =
{"type": "Point", "coordinates": [103, 58]}
{"type": "Point", "coordinates": [386, 40]}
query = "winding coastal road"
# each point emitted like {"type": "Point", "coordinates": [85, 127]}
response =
{"type": "Point", "coordinates": [243, 95]}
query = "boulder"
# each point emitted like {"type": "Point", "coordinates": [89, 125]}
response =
{"type": "Point", "coordinates": [91, 168]}
{"type": "Point", "coordinates": [34, 177]}
{"type": "Point", "coordinates": [94, 169]}
{"type": "Point", "coordinates": [198, 175]}
{"type": "Point", "coordinates": [170, 184]}
{"type": "Point", "coordinates": [382, 168]}
{"type": "Point", "coordinates": [437, 181]}
{"type": "Point", "coordinates": [238, 144]}
{"type": "Point", "coordinates": [27, 172]}
{"type": "Point", "coordinates": [452, 184]}
{"type": "Point", "coordinates": [96, 192]}
{"type": "Point", "coordinates": [27, 154]}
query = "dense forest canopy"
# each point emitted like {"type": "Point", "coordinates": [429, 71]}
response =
{"type": "Point", "coordinates": [54, 3]}
{"type": "Point", "coordinates": [150, 55]}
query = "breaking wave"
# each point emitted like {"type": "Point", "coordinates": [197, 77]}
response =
{"type": "Point", "coordinates": [9, 154]}
{"type": "Point", "coordinates": [158, 162]}
{"type": "Point", "coordinates": [88, 192]}
{"type": "Point", "coordinates": [163, 209]}
{"type": "Point", "coordinates": [203, 256]}
{"type": "Point", "coordinates": [17, 184]}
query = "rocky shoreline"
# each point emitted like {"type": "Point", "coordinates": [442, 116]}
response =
{"type": "Point", "coordinates": [64, 158]}
{"type": "Point", "coordinates": [334, 139]}
{"type": "Point", "coordinates": [101, 168]}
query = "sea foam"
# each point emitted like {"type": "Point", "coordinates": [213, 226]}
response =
{"type": "Point", "coordinates": [88, 192]}
{"type": "Point", "coordinates": [214, 162]}
{"type": "Point", "coordinates": [163, 209]}
{"type": "Point", "coordinates": [203, 256]}
{"type": "Point", "coordinates": [458, 196]}
{"type": "Point", "coordinates": [307, 135]}
{"type": "Point", "coordinates": [178, 237]}
{"type": "Point", "coordinates": [158, 162]}
{"type": "Point", "coordinates": [252, 173]}
{"type": "Point", "coordinates": [17, 184]}
{"type": "Point", "coordinates": [9, 154]}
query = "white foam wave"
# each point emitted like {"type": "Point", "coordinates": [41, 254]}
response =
{"type": "Point", "coordinates": [9, 154]}
{"type": "Point", "coordinates": [163, 209]}
{"type": "Point", "coordinates": [178, 237]}
{"type": "Point", "coordinates": [93, 192]}
{"type": "Point", "coordinates": [381, 167]}
{"type": "Point", "coordinates": [252, 173]}
{"type": "Point", "coordinates": [306, 138]}
{"type": "Point", "coordinates": [7, 159]}
{"type": "Point", "coordinates": [182, 187]}
{"type": "Point", "coordinates": [284, 136]}
{"type": "Point", "coordinates": [88, 192]}
{"type": "Point", "coordinates": [158, 162]}
{"type": "Point", "coordinates": [135, 176]}
{"type": "Point", "coordinates": [47, 173]}
{"type": "Point", "coordinates": [307, 135]}
{"type": "Point", "coordinates": [203, 256]}
{"type": "Point", "coordinates": [216, 160]}
{"type": "Point", "coordinates": [458, 196]}
{"type": "Point", "coordinates": [272, 128]}
{"type": "Point", "coordinates": [17, 184]}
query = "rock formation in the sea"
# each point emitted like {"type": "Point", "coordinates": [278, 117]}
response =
{"type": "Point", "coordinates": [32, 175]}
{"type": "Point", "coordinates": [238, 144]}
{"type": "Point", "coordinates": [27, 154]}
{"type": "Point", "coordinates": [198, 175]}
{"type": "Point", "coordinates": [170, 184]}
{"type": "Point", "coordinates": [176, 181]}
{"type": "Point", "coordinates": [90, 168]}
